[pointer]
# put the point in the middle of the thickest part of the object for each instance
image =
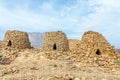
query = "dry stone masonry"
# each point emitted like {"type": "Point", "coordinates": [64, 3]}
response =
{"type": "Point", "coordinates": [16, 39]}
{"type": "Point", "coordinates": [96, 44]}
{"type": "Point", "coordinates": [74, 44]}
{"type": "Point", "coordinates": [95, 50]}
{"type": "Point", "coordinates": [55, 41]}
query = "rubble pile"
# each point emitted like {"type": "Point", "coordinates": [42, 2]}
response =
{"type": "Point", "coordinates": [7, 55]}
{"type": "Point", "coordinates": [92, 51]}
{"type": "Point", "coordinates": [59, 56]}
{"type": "Point", "coordinates": [95, 50]}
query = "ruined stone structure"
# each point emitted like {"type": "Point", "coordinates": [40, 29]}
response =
{"type": "Point", "coordinates": [16, 39]}
{"type": "Point", "coordinates": [95, 43]}
{"type": "Point", "coordinates": [74, 44]}
{"type": "Point", "coordinates": [55, 41]}
{"type": "Point", "coordinates": [95, 51]}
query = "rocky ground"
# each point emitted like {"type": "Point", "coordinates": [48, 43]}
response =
{"type": "Point", "coordinates": [35, 64]}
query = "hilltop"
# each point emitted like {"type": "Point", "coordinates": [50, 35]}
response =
{"type": "Point", "coordinates": [59, 58]}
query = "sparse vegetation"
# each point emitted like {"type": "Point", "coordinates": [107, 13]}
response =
{"type": "Point", "coordinates": [1, 55]}
{"type": "Point", "coordinates": [117, 62]}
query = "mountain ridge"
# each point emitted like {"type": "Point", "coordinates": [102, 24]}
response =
{"type": "Point", "coordinates": [36, 39]}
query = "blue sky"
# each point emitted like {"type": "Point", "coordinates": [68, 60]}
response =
{"type": "Point", "coordinates": [74, 17]}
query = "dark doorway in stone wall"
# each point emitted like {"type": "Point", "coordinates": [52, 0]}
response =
{"type": "Point", "coordinates": [98, 52]}
{"type": "Point", "coordinates": [54, 47]}
{"type": "Point", "coordinates": [9, 43]}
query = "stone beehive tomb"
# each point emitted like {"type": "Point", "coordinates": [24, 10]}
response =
{"type": "Point", "coordinates": [16, 39]}
{"type": "Point", "coordinates": [74, 44]}
{"type": "Point", "coordinates": [95, 43]}
{"type": "Point", "coordinates": [55, 41]}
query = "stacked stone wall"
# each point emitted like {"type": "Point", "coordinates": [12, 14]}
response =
{"type": "Point", "coordinates": [16, 39]}
{"type": "Point", "coordinates": [95, 42]}
{"type": "Point", "coordinates": [55, 41]}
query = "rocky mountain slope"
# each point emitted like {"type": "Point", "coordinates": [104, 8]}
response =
{"type": "Point", "coordinates": [36, 39]}
{"type": "Point", "coordinates": [118, 50]}
{"type": "Point", "coordinates": [34, 64]}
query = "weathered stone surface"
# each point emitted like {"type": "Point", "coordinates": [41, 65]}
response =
{"type": "Point", "coordinates": [5, 61]}
{"type": "Point", "coordinates": [16, 39]}
{"type": "Point", "coordinates": [81, 63]}
{"type": "Point", "coordinates": [94, 51]}
{"type": "Point", "coordinates": [74, 44]}
{"type": "Point", "coordinates": [55, 41]}
{"type": "Point", "coordinates": [96, 43]}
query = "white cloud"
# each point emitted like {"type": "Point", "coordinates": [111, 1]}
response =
{"type": "Point", "coordinates": [22, 18]}
{"type": "Point", "coordinates": [47, 6]}
{"type": "Point", "coordinates": [105, 20]}
{"type": "Point", "coordinates": [99, 15]}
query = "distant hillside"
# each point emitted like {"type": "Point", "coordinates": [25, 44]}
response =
{"type": "Point", "coordinates": [0, 42]}
{"type": "Point", "coordinates": [118, 50]}
{"type": "Point", "coordinates": [36, 39]}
